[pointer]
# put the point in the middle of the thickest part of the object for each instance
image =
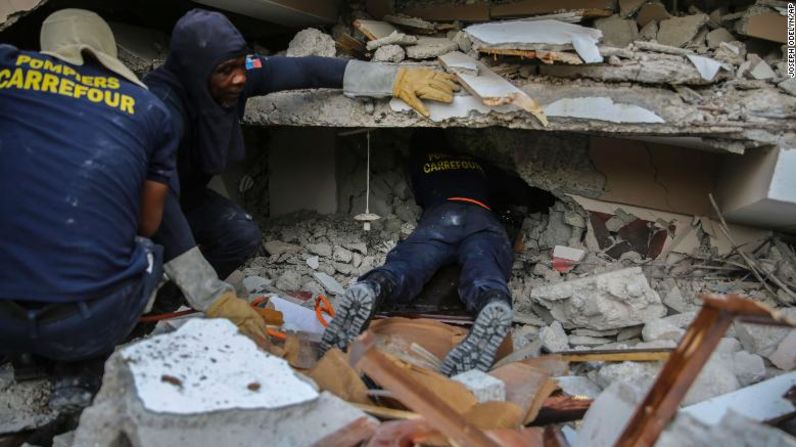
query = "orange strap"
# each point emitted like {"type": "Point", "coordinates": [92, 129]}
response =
{"type": "Point", "coordinates": [322, 305]}
{"type": "Point", "coordinates": [473, 201]}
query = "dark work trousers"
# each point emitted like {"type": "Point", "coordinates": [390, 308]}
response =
{"type": "Point", "coordinates": [226, 234]}
{"type": "Point", "coordinates": [81, 330]}
{"type": "Point", "coordinates": [452, 232]}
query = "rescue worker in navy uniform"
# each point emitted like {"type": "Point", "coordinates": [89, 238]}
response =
{"type": "Point", "coordinates": [86, 156]}
{"type": "Point", "coordinates": [457, 194]}
{"type": "Point", "coordinates": [205, 82]}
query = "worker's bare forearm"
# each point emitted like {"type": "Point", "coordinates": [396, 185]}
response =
{"type": "Point", "coordinates": [153, 197]}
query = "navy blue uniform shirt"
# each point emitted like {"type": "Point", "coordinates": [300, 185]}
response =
{"type": "Point", "coordinates": [76, 145]}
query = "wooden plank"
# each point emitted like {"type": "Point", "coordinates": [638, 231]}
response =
{"type": "Point", "coordinates": [416, 395]}
{"type": "Point", "coordinates": [590, 8]}
{"type": "Point", "coordinates": [526, 386]}
{"type": "Point", "coordinates": [548, 57]}
{"type": "Point", "coordinates": [374, 29]}
{"type": "Point", "coordinates": [622, 355]}
{"type": "Point", "coordinates": [386, 413]}
{"type": "Point", "coordinates": [493, 90]}
{"type": "Point", "coordinates": [352, 435]}
{"type": "Point", "coordinates": [334, 374]}
{"type": "Point", "coordinates": [559, 409]}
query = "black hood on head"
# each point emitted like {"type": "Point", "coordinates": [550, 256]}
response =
{"type": "Point", "coordinates": [200, 41]}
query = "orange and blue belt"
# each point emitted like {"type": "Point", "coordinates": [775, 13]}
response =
{"type": "Point", "coordinates": [468, 200]}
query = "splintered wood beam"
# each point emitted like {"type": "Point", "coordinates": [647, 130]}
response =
{"type": "Point", "coordinates": [493, 90]}
{"type": "Point", "coordinates": [415, 395]}
{"type": "Point", "coordinates": [685, 363]}
{"type": "Point", "coordinates": [559, 409]}
{"type": "Point", "coordinates": [386, 413]}
{"type": "Point", "coordinates": [547, 57]}
{"type": "Point", "coordinates": [619, 355]}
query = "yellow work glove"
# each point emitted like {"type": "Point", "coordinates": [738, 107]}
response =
{"type": "Point", "coordinates": [238, 311]}
{"type": "Point", "coordinates": [414, 83]}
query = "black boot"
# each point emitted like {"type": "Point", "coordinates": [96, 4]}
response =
{"type": "Point", "coordinates": [354, 312]}
{"type": "Point", "coordinates": [75, 384]}
{"type": "Point", "coordinates": [478, 349]}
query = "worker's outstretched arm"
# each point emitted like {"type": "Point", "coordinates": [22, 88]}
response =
{"type": "Point", "coordinates": [357, 78]}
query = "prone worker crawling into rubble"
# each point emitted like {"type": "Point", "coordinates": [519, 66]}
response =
{"type": "Point", "coordinates": [458, 194]}
{"type": "Point", "coordinates": [205, 82]}
{"type": "Point", "coordinates": [86, 156]}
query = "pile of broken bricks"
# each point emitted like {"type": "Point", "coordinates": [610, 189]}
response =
{"type": "Point", "coordinates": [205, 384]}
{"type": "Point", "coordinates": [496, 49]}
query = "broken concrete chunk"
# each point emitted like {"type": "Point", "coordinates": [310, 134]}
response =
{"type": "Point", "coordinates": [431, 47]}
{"type": "Point", "coordinates": [396, 38]}
{"type": "Point", "coordinates": [607, 301]}
{"type": "Point", "coordinates": [649, 31]}
{"type": "Point", "coordinates": [784, 357]}
{"type": "Point", "coordinates": [206, 384]}
{"type": "Point", "coordinates": [24, 405]}
{"type": "Point", "coordinates": [411, 22]}
{"type": "Point", "coordinates": [708, 68]}
{"type": "Point", "coordinates": [313, 262]}
{"type": "Point", "coordinates": [585, 340]}
{"type": "Point", "coordinates": [608, 415]}
{"type": "Point", "coordinates": [758, 68]}
{"type": "Point", "coordinates": [485, 387]}
{"type": "Point", "coordinates": [748, 368]}
{"type": "Point", "coordinates": [763, 340]}
{"type": "Point", "coordinates": [375, 29]}
{"type": "Point", "coordinates": [733, 430]}
{"type": "Point", "coordinates": [761, 402]}
{"type": "Point", "coordinates": [277, 248]}
{"type": "Point", "coordinates": [341, 254]}
{"type": "Point", "coordinates": [678, 31]}
{"type": "Point", "coordinates": [321, 249]}
{"type": "Point", "coordinates": [288, 281]}
{"type": "Point", "coordinates": [458, 62]}
{"type": "Point", "coordinates": [601, 108]}
{"type": "Point", "coordinates": [311, 42]}
{"type": "Point", "coordinates": [769, 25]}
{"type": "Point", "coordinates": [182, 372]}
{"type": "Point", "coordinates": [530, 35]}
{"type": "Point", "coordinates": [389, 53]}
{"type": "Point", "coordinates": [719, 35]}
{"type": "Point", "coordinates": [650, 12]}
{"type": "Point", "coordinates": [629, 7]}
{"type": "Point", "coordinates": [553, 337]}
{"type": "Point", "coordinates": [617, 32]}
{"type": "Point", "coordinates": [661, 330]}
{"type": "Point", "coordinates": [256, 284]}
{"type": "Point", "coordinates": [329, 283]}
{"type": "Point", "coordinates": [578, 386]}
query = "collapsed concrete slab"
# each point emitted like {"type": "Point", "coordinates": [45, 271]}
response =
{"type": "Point", "coordinates": [207, 385]}
{"type": "Point", "coordinates": [607, 301]}
{"type": "Point", "coordinates": [608, 415]}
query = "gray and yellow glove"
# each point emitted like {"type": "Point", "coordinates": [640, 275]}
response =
{"type": "Point", "coordinates": [413, 84]}
{"type": "Point", "coordinates": [204, 291]}
{"type": "Point", "coordinates": [410, 84]}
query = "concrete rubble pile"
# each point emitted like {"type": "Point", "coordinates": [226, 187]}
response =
{"type": "Point", "coordinates": [603, 292]}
